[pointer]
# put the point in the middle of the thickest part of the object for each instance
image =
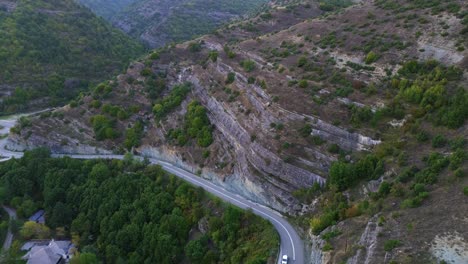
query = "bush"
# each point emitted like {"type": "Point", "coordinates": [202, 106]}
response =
{"type": "Point", "coordinates": [173, 100]}
{"type": "Point", "coordinates": [457, 159]}
{"type": "Point", "coordinates": [303, 83]}
{"type": "Point", "coordinates": [34, 230]}
{"type": "Point", "coordinates": [197, 126]}
{"type": "Point", "coordinates": [133, 136]}
{"type": "Point", "coordinates": [95, 104]}
{"type": "Point", "coordinates": [439, 141]}
{"type": "Point", "coordinates": [103, 127]}
{"type": "Point", "coordinates": [391, 244]}
{"type": "Point", "coordinates": [422, 136]}
{"type": "Point", "coordinates": [344, 175]}
{"type": "Point", "coordinates": [407, 174]}
{"type": "Point", "coordinates": [371, 57]}
{"type": "Point", "coordinates": [334, 148]}
{"type": "Point", "coordinates": [146, 72]}
{"type": "Point", "coordinates": [154, 56]}
{"type": "Point", "coordinates": [195, 47]}
{"type": "Point", "coordinates": [213, 55]}
{"type": "Point", "coordinates": [231, 77]}
{"type": "Point", "coordinates": [306, 130]}
{"type": "Point", "coordinates": [465, 190]}
{"type": "Point", "coordinates": [302, 62]}
{"type": "Point", "coordinates": [248, 65]}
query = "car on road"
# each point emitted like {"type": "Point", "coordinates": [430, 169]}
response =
{"type": "Point", "coordinates": [284, 260]}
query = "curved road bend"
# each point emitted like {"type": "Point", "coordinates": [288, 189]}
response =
{"type": "Point", "coordinates": [291, 243]}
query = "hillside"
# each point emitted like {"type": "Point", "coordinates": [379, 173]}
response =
{"type": "Point", "coordinates": [51, 50]}
{"type": "Point", "coordinates": [107, 8]}
{"type": "Point", "coordinates": [161, 22]}
{"type": "Point", "coordinates": [351, 119]}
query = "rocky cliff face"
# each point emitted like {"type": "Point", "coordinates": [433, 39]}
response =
{"type": "Point", "coordinates": [286, 101]}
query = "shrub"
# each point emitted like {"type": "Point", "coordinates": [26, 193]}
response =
{"type": "Point", "coordinates": [197, 126]}
{"type": "Point", "coordinates": [327, 247]}
{"type": "Point", "coordinates": [324, 221]}
{"type": "Point", "coordinates": [213, 55]}
{"type": "Point", "coordinates": [95, 104]}
{"type": "Point", "coordinates": [317, 140]}
{"type": "Point", "coordinates": [407, 174]}
{"type": "Point", "coordinates": [391, 244]}
{"type": "Point", "coordinates": [343, 175]}
{"type": "Point", "coordinates": [439, 141]}
{"type": "Point", "coordinates": [103, 127]}
{"type": "Point", "coordinates": [306, 130]}
{"type": "Point", "coordinates": [422, 136]}
{"type": "Point", "coordinates": [303, 83]}
{"type": "Point", "coordinates": [248, 65]}
{"type": "Point", "coordinates": [371, 57]}
{"type": "Point", "coordinates": [302, 62]}
{"type": "Point", "coordinates": [457, 143]}
{"type": "Point", "coordinates": [231, 77]}
{"type": "Point", "coordinates": [133, 136]}
{"type": "Point", "coordinates": [457, 159]}
{"type": "Point", "coordinates": [146, 72]}
{"type": "Point", "coordinates": [173, 100]}
{"type": "Point", "coordinates": [334, 148]}
{"type": "Point", "coordinates": [465, 190]}
{"type": "Point", "coordinates": [154, 56]}
{"type": "Point", "coordinates": [459, 173]}
{"type": "Point", "coordinates": [195, 46]}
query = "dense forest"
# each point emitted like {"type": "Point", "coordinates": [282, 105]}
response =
{"type": "Point", "coordinates": [129, 212]}
{"type": "Point", "coordinates": [54, 49]}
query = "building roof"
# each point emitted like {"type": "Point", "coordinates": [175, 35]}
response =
{"type": "Point", "coordinates": [52, 253]}
{"type": "Point", "coordinates": [38, 217]}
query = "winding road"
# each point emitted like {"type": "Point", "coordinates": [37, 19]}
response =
{"type": "Point", "coordinates": [291, 243]}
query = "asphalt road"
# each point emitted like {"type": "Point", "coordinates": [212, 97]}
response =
{"type": "Point", "coordinates": [291, 243]}
{"type": "Point", "coordinates": [9, 236]}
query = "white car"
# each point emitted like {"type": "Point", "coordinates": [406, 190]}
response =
{"type": "Point", "coordinates": [284, 260]}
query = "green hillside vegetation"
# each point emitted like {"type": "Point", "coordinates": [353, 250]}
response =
{"type": "Point", "coordinates": [128, 212]}
{"type": "Point", "coordinates": [430, 92]}
{"type": "Point", "coordinates": [106, 8]}
{"type": "Point", "coordinates": [176, 21]}
{"type": "Point", "coordinates": [54, 49]}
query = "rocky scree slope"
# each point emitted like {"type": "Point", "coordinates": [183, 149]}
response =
{"type": "Point", "coordinates": [286, 106]}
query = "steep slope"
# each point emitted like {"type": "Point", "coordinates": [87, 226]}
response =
{"type": "Point", "coordinates": [160, 22]}
{"type": "Point", "coordinates": [370, 102]}
{"type": "Point", "coordinates": [107, 8]}
{"type": "Point", "coordinates": [51, 50]}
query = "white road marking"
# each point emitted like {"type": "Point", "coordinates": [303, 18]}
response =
{"type": "Point", "coordinates": [175, 170]}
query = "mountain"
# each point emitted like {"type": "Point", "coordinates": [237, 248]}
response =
{"type": "Point", "coordinates": [50, 50]}
{"type": "Point", "coordinates": [350, 119]}
{"type": "Point", "coordinates": [107, 8]}
{"type": "Point", "coordinates": [160, 22]}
